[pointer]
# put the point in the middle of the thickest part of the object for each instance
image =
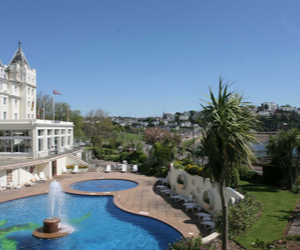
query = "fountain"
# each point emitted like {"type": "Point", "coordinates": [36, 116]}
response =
{"type": "Point", "coordinates": [52, 226]}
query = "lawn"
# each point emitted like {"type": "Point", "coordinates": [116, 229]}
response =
{"type": "Point", "coordinates": [126, 137]}
{"type": "Point", "coordinates": [277, 208]}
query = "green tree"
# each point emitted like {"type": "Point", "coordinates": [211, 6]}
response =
{"type": "Point", "coordinates": [227, 140]}
{"type": "Point", "coordinates": [97, 122]}
{"type": "Point", "coordinates": [281, 148]}
{"type": "Point", "coordinates": [77, 119]}
{"type": "Point", "coordinates": [97, 140]}
{"type": "Point", "coordinates": [113, 142]}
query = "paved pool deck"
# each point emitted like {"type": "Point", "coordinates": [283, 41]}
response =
{"type": "Point", "coordinates": [143, 199]}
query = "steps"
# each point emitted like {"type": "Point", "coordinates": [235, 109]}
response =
{"type": "Point", "coordinates": [78, 160]}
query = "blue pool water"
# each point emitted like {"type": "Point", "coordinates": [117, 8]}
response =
{"type": "Point", "coordinates": [103, 185]}
{"type": "Point", "coordinates": [98, 224]}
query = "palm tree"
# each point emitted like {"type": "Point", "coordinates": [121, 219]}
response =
{"type": "Point", "coordinates": [228, 138]}
{"type": "Point", "coordinates": [280, 148]}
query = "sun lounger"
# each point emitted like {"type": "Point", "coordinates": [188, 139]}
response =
{"type": "Point", "coordinates": [37, 178]}
{"type": "Point", "coordinates": [160, 187]}
{"type": "Point", "coordinates": [2, 185]}
{"type": "Point", "coordinates": [209, 225]}
{"type": "Point", "coordinates": [64, 170]}
{"type": "Point", "coordinates": [135, 168]}
{"type": "Point", "coordinates": [76, 170]}
{"type": "Point", "coordinates": [178, 198]}
{"type": "Point", "coordinates": [124, 168]}
{"type": "Point", "coordinates": [191, 206]}
{"type": "Point", "coordinates": [108, 169]}
{"type": "Point", "coordinates": [42, 176]}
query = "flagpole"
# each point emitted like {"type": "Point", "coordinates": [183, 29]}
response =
{"type": "Point", "coordinates": [43, 110]}
{"type": "Point", "coordinates": [53, 105]}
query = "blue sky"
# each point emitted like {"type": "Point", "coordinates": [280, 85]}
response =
{"type": "Point", "coordinates": [143, 57]}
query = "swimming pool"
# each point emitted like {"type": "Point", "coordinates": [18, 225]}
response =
{"type": "Point", "coordinates": [103, 185]}
{"type": "Point", "coordinates": [97, 222]}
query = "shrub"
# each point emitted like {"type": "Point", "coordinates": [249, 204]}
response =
{"type": "Point", "coordinates": [233, 177]}
{"type": "Point", "coordinates": [134, 157]}
{"type": "Point", "coordinates": [186, 161]}
{"type": "Point", "coordinates": [142, 159]}
{"type": "Point", "coordinates": [123, 156]}
{"type": "Point", "coordinates": [80, 167]}
{"type": "Point", "coordinates": [240, 216]}
{"type": "Point", "coordinates": [193, 169]}
{"type": "Point", "coordinates": [97, 152]}
{"type": "Point", "coordinates": [189, 243]}
{"type": "Point", "coordinates": [248, 175]}
{"type": "Point", "coordinates": [178, 165]}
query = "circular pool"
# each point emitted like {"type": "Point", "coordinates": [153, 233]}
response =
{"type": "Point", "coordinates": [103, 185]}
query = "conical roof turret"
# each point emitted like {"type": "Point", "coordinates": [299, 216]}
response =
{"type": "Point", "coordinates": [19, 57]}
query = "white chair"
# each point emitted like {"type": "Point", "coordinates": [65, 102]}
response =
{"type": "Point", "coordinates": [37, 178]}
{"type": "Point", "coordinates": [202, 215]}
{"type": "Point", "coordinates": [189, 199]}
{"type": "Point", "coordinates": [178, 198]}
{"type": "Point", "coordinates": [161, 187]}
{"type": "Point", "coordinates": [42, 176]}
{"type": "Point", "coordinates": [124, 162]}
{"type": "Point", "coordinates": [2, 184]}
{"type": "Point", "coordinates": [168, 192]}
{"type": "Point", "coordinates": [191, 206]}
{"type": "Point", "coordinates": [124, 168]}
{"type": "Point", "coordinates": [75, 170]}
{"type": "Point", "coordinates": [206, 218]}
{"type": "Point", "coordinates": [10, 185]}
{"type": "Point", "coordinates": [135, 168]}
{"type": "Point", "coordinates": [64, 170]}
{"type": "Point", "coordinates": [108, 169]}
{"type": "Point", "coordinates": [209, 225]}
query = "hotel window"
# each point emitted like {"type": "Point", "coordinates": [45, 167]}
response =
{"type": "Point", "coordinates": [28, 91]}
{"type": "Point", "coordinates": [28, 116]}
{"type": "Point", "coordinates": [56, 131]}
{"type": "Point", "coordinates": [40, 142]}
{"type": "Point", "coordinates": [4, 101]}
{"type": "Point", "coordinates": [40, 132]}
{"type": "Point", "coordinates": [49, 132]}
{"type": "Point", "coordinates": [16, 103]}
{"type": "Point", "coordinates": [4, 115]}
{"type": "Point", "coordinates": [16, 116]}
{"type": "Point", "coordinates": [28, 104]}
{"type": "Point", "coordinates": [32, 91]}
{"type": "Point", "coordinates": [63, 131]}
{"type": "Point", "coordinates": [16, 89]}
{"type": "Point", "coordinates": [49, 143]}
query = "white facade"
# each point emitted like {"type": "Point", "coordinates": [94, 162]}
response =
{"type": "Point", "coordinates": [47, 143]}
{"type": "Point", "coordinates": [21, 134]}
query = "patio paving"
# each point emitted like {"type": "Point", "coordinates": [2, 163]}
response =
{"type": "Point", "coordinates": [143, 198]}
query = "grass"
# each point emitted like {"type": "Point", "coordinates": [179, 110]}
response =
{"type": "Point", "coordinates": [277, 208]}
{"type": "Point", "coordinates": [189, 143]}
{"type": "Point", "coordinates": [127, 137]}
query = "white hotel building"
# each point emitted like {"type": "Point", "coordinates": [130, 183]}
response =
{"type": "Point", "coordinates": [29, 145]}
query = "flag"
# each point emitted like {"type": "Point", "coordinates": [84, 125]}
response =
{"type": "Point", "coordinates": [32, 105]}
{"type": "Point", "coordinates": [55, 92]}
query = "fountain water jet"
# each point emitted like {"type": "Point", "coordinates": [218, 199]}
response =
{"type": "Point", "coordinates": [52, 226]}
